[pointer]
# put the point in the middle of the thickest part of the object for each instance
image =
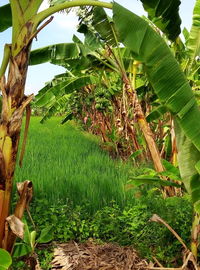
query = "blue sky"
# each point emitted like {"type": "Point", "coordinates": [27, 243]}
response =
{"type": "Point", "coordinates": [62, 28]}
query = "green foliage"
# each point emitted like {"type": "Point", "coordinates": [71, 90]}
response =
{"type": "Point", "coordinates": [193, 41]}
{"type": "Point", "coordinates": [54, 53]}
{"type": "Point", "coordinates": [5, 17]}
{"type": "Point", "coordinates": [5, 259]}
{"type": "Point", "coordinates": [27, 247]}
{"type": "Point", "coordinates": [104, 26]}
{"type": "Point", "coordinates": [157, 113]}
{"type": "Point", "coordinates": [165, 15]}
{"type": "Point", "coordinates": [151, 177]}
{"type": "Point", "coordinates": [127, 226]}
{"type": "Point", "coordinates": [30, 240]}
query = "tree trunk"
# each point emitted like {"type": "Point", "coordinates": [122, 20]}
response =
{"type": "Point", "coordinates": [195, 234]}
{"type": "Point", "coordinates": [146, 130]}
{"type": "Point", "coordinates": [144, 126]}
{"type": "Point", "coordinates": [13, 105]}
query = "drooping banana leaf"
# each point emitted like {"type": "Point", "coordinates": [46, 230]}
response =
{"type": "Point", "coordinates": [188, 156]}
{"type": "Point", "coordinates": [193, 43]}
{"type": "Point", "coordinates": [166, 78]}
{"type": "Point", "coordinates": [68, 117]}
{"type": "Point", "coordinates": [186, 34]}
{"type": "Point", "coordinates": [56, 106]}
{"type": "Point", "coordinates": [91, 41]}
{"type": "Point", "coordinates": [52, 53]}
{"type": "Point", "coordinates": [157, 113]}
{"type": "Point", "coordinates": [165, 15]}
{"type": "Point", "coordinates": [5, 17]}
{"type": "Point", "coordinates": [145, 179]}
{"type": "Point", "coordinates": [104, 26]}
{"type": "Point", "coordinates": [49, 92]}
{"type": "Point", "coordinates": [55, 94]}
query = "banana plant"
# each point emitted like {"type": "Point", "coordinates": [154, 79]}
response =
{"type": "Point", "coordinates": [116, 60]}
{"type": "Point", "coordinates": [26, 22]}
{"type": "Point", "coordinates": [172, 89]}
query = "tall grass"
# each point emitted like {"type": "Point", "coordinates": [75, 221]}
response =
{"type": "Point", "coordinates": [66, 164]}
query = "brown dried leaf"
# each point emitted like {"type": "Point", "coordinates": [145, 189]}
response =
{"type": "Point", "coordinates": [16, 226]}
{"type": "Point", "coordinates": [155, 218]}
{"type": "Point", "coordinates": [89, 256]}
{"type": "Point", "coordinates": [20, 187]}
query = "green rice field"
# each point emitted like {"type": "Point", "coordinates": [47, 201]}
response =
{"type": "Point", "coordinates": [67, 165]}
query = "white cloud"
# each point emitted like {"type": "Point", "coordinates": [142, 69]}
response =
{"type": "Point", "coordinates": [66, 21]}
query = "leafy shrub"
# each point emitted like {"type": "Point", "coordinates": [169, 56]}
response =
{"type": "Point", "coordinates": [127, 226]}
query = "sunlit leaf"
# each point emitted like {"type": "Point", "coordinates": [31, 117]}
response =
{"type": "Point", "coordinates": [5, 259]}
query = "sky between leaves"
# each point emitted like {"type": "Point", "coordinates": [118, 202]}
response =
{"type": "Point", "coordinates": [61, 30]}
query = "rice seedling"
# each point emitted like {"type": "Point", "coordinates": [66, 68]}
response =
{"type": "Point", "coordinates": [66, 164]}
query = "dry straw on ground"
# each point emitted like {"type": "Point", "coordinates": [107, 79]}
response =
{"type": "Point", "coordinates": [90, 256]}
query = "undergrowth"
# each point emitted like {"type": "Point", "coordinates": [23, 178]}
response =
{"type": "Point", "coordinates": [127, 225]}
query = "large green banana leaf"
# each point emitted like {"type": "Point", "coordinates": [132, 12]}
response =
{"type": "Point", "coordinates": [69, 55]}
{"type": "Point", "coordinates": [5, 17]}
{"type": "Point", "coordinates": [52, 53]}
{"type": "Point", "coordinates": [57, 104]}
{"type": "Point", "coordinates": [193, 43]}
{"type": "Point", "coordinates": [104, 26]}
{"type": "Point", "coordinates": [188, 156]}
{"type": "Point", "coordinates": [165, 76]}
{"type": "Point", "coordinates": [165, 15]}
{"type": "Point", "coordinates": [67, 86]}
{"type": "Point", "coordinates": [55, 94]}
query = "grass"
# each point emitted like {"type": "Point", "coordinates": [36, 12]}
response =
{"type": "Point", "coordinates": [66, 164]}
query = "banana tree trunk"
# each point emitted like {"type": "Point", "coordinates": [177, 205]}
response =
{"type": "Point", "coordinates": [195, 234]}
{"type": "Point", "coordinates": [13, 105]}
{"type": "Point", "coordinates": [146, 130]}
{"type": "Point", "coordinates": [149, 137]}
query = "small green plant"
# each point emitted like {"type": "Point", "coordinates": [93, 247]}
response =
{"type": "Point", "coordinates": [26, 249]}
{"type": "Point", "coordinates": [151, 177]}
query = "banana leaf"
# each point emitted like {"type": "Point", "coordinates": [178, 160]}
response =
{"type": "Point", "coordinates": [156, 113]}
{"type": "Point", "coordinates": [49, 92]}
{"type": "Point", "coordinates": [193, 42]}
{"type": "Point", "coordinates": [162, 69]}
{"type": "Point", "coordinates": [104, 26]}
{"type": "Point", "coordinates": [62, 51]}
{"type": "Point", "coordinates": [145, 179]}
{"type": "Point", "coordinates": [165, 15]}
{"type": "Point", "coordinates": [5, 17]}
